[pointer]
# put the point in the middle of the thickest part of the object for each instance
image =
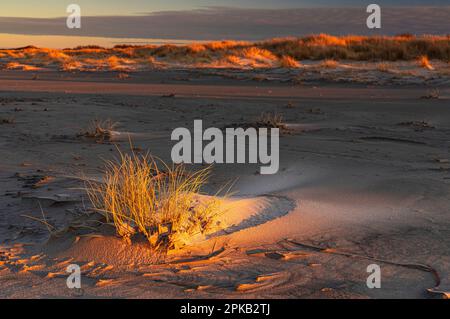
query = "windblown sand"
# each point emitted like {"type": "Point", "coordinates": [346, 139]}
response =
{"type": "Point", "coordinates": [364, 179]}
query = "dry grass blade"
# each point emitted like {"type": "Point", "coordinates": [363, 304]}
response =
{"type": "Point", "coordinates": [51, 229]}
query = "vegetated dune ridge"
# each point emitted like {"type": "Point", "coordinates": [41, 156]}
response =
{"type": "Point", "coordinates": [364, 179]}
{"type": "Point", "coordinates": [285, 51]}
{"type": "Point", "coordinates": [358, 58]}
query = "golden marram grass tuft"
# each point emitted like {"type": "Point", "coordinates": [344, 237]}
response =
{"type": "Point", "coordinates": [162, 204]}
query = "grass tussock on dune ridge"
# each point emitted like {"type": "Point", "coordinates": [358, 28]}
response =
{"type": "Point", "coordinates": [143, 196]}
{"type": "Point", "coordinates": [289, 62]}
{"type": "Point", "coordinates": [283, 52]}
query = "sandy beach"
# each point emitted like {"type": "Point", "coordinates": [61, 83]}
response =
{"type": "Point", "coordinates": [364, 179]}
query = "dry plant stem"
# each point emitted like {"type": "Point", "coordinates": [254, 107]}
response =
{"type": "Point", "coordinates": [51, 229]}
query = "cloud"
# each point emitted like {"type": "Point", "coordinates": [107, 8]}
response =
{"type": "Point", "coordinates": [242, 24]}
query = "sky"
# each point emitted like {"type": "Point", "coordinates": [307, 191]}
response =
{"type": "Point", "coordinates": [43, 22]}
{"type": "Point", "coordinates": [56, 8]}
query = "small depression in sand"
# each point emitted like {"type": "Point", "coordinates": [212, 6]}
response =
{"type": "Point", "coordinates": [104, 246]}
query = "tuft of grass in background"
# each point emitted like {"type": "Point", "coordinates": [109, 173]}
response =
{"type": "Point", "coordinates": [383, 67]}
{"type": "Point", "coordinates": [258, 54]}
{"type": "Point", "coordinates": [71, 65]}
{"type": "Point", "coordinates": [289, 62]}
{"type": "Point", "coordinates": [329, 64]}
{"type": "Point", "coordinates": [432, 94]}
{"type": "Point", "coordinates": [143, 196]}
{"type": "Point", "coordinates": [101, 131]}
{"type": "Point", "coordinates": [123, 76]}
{"type": "Point", "coordinates": [424, 62]}
{"type": "Point", "coordinates": [270, 120]}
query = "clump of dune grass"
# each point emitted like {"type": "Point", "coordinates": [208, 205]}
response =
{"type": "Point", "coordinates": [256, 53]}
{"type": "Point", "coordinates": [197, 48]}
{"type": "Point", "coordinates": [258, 57]}
{"type": "Point", "coordinates": [123, 76]}
{"type": "Point", "coordinates": [329, 64]}
{"type": "Point", "coordinates": [101, 131]}
{"type": "Point", "coordinates": [383, 67]}
{"type": "Point", "coordinates": [71, 65]}
{"type": "Point", "coordinates": [289, 62]}
{"type": "Point", "coordinates": [235, 60]}
{"type": "Point", "coordinates": [142, 196]}
{"type": "Point", "coordinates": [270, 120]}
{"type": "Point", "coordinates": [153, 63]}
{"type": "Point", "coordinates": [424, 62]}
{"type": "Point", "coordinates": [432, 94]}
